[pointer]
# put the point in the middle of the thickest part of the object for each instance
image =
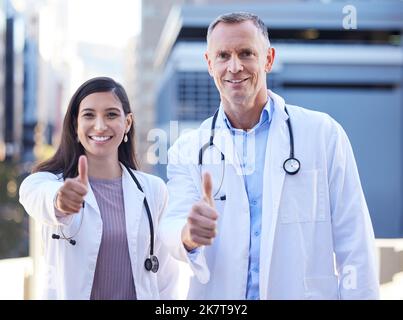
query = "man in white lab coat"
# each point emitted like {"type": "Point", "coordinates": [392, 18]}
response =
{"type": "Point", "coordinates": [250, 224]}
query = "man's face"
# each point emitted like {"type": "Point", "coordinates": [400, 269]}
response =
{"type": "Point", "coordinates": [238, 59]}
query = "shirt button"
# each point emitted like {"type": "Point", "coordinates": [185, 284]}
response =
{"type": "Point", "coordinates": [255, 270]}
{"type": "Point", "coordinates": [257, 233]}
{"type": "Point", "coordinates": [254, 202]}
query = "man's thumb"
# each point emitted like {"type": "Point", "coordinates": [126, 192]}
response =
{"type": "Point", "coordinates": [207, 189]}
{"type": "Point", "coordinates": [83, 169]}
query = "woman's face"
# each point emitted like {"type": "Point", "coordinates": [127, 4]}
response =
{"type": "Point", "coordinates": [102, 124]}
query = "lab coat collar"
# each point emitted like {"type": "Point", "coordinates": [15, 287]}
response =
{"type": "Point", "coordinates": [223, 139]}
{"type": "Point", "coordinates": [279, 105]}
{"type": "Point", "coordinates": [279, 109]}
{"type": "Point", "coordinates": [129, 186]}
{"type": "Point", "coordinates": [130, 191]}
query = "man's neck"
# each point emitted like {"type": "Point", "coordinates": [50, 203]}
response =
{"type": "Point", "coordinates": [243, 117]}
{"type": "Point", "coordinates": [245, 114]}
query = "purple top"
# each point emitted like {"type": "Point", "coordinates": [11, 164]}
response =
{"type": "Point", "coordinates": [113, 279]}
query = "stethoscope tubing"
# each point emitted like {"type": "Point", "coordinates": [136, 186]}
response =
{"type": "Point", "coordinates": [291, 165]}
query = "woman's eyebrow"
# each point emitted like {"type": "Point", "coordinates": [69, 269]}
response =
{"type": "Point", "coordinates": [107, 109]}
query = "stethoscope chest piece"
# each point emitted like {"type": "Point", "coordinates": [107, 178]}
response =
{"type": "Point", "coordinates": [152, 264]}
{"type": "Point", "coordinates": [291, 166]}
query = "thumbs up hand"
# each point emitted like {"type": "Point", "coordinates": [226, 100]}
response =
{"type": "Point", "coordinates": [83, 170]}
{"type": "Point", "coordinates": [201, 226]}
{"type": "Point", "coordinates": [207, 189]}
{"type": "Point", "coordinates": [70, 197]}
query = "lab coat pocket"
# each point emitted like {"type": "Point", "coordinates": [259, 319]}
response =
{"type": "Point", "coordinates": [321, 288]}
{"type": "Point", "coordinates": [303, 197]}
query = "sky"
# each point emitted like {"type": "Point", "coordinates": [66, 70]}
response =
{"type": "Point", "coordinates": [110, 22]}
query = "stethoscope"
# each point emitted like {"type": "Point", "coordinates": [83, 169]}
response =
{"type": "Point", "coordinates": [291, 165]}
{"type": "Point", "coordinates": [151, 263]}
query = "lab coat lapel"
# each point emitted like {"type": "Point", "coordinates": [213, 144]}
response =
{"type": "Point", "coordinates": [90, 200]}
{"type": "Point", "coordinates": [277, 150]}
{"type": "Point", "coordinates": [225, 143]}
{"type": "Point", "coordinates": [234, 219]}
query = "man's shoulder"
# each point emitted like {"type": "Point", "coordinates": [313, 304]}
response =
{"type": "Point", "coordinates": [307, 112]}
{"type": "Point", "coordinates": [309, 117]}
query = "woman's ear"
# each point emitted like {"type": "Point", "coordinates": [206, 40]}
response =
{"type": "Point", "coordinates": [129, 122]}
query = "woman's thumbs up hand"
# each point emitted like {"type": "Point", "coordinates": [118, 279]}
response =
{"type": "Point", "coordinates": [83, 170]}
{"type": "Point", "coordinates": [70, 197]}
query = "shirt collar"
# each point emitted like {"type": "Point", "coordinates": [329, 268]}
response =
{"type": "Point", "coordinates": [265, 116]}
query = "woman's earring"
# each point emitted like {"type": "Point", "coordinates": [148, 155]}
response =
{"type": "Point", "coordinates": [125, 139]}
{"type": "Point", "coordinates": [78, 140]}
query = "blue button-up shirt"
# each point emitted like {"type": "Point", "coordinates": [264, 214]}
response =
{"type": "Point", "coordinates": [251, 149]}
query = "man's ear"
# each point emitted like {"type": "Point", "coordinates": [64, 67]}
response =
{"type": "Point", "coordinates": [269, 59]}
{"type": "Point", "coordinates": [210, 70]}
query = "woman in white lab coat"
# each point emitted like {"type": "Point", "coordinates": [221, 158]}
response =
{"type": "Point", "coordinates": [99, 214]}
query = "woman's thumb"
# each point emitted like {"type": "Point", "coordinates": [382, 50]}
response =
{"type": "Point", "coordinates": [83, 169]}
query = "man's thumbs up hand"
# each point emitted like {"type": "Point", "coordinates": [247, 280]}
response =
{"type": "Point", "coordinates": [201, 226]}
{"type": "Point", "coordinates": [207, 185]}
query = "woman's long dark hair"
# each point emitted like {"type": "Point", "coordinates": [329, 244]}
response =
{"type": "Point", "coordinates": [65, 160]}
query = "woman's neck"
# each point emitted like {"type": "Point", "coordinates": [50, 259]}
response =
{"type": "Point", "coordinates": [104, 168]}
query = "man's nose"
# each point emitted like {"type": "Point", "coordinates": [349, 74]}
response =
{"type": "Point", "coordinates": [99, 124]}
{"type": "Point", "coordinates": [234, 65]}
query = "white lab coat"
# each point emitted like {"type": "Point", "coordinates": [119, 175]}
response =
{"type": "Point", "coordinates": [315, 224]}
{"type": "Point", "coordinates": [70, 269]}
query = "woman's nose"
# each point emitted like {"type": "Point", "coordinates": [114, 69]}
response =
{"type": "Point", "coordinates": [99, 124]}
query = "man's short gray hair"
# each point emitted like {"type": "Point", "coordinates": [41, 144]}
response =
{"type": "Point", "coordinates": [238, 17]}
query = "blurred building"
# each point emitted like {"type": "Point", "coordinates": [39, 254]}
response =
{"type": "Point", "coordinates": [56, 73]}
{"type": "Point", "coordinates": [14, 82]}
{"type": "Point", "coordinates": [131, 78]}
{"type": "Point", "coordinates": [18, 102]}
{"type": "Point", "coordinates": [142, 84]}
{"type": "Point", "coordinates": [2, 78]}
{"type": "Point", "coordinates": [94, 59]}
{"type": "Point", "coordinates": [32, 88]}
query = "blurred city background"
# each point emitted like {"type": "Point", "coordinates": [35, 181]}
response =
{"type": "Point", "coordinates": [341, 57]}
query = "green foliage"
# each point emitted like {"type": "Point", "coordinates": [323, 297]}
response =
{"type": "Point", "coordinates": [14, 236]}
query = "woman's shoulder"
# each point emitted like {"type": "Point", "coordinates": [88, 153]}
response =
{"type": "Point", "coordinates": [43, 175]}
{"type": "Point", "coordinates": [149, 180]}
{"type": "Point", "coordinates": [35, 181]}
